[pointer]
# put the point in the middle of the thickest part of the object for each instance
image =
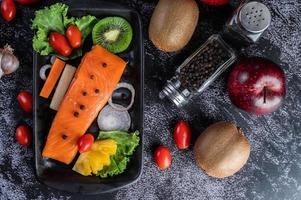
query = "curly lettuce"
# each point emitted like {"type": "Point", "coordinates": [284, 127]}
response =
{"type": "Point", "coordinates": [54, 18]}
{"type": "Point", "coordinates": [126, 145]}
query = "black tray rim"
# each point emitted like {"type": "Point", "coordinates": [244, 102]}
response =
{"type": "Point", "coordinates": [36, 150]}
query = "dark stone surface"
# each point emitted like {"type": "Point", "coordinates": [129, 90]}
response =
{"type": "Point", "coordinates": [274, 168]}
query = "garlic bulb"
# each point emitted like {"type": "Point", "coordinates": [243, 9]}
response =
{"type": "Point", "coordinates": [1, 72]}
{"type": "Point", "coordinates": [9, 63]}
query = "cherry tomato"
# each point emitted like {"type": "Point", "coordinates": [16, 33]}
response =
{"type": "Point", "coordinates": [27, 1]}
{"type": "Point", "coordinates": [182, 135]}
{"type": "Point", "coordinates": [8, 10]}
{"type": "Point", "coordinates": [60, 44]}
{"type": "Point", "coordinates": [85, 142]}
{"type": "Point", "coordinates": [23, 135]}
{"type": "Point", "coordinates": [74, 36]}
{"type": "Point", "coordinates": [25, 101]}
{"type": "Point", "coordinates": [162, 157]}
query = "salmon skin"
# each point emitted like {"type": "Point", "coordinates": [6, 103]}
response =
{"type": "Point", "coordinates": [93, 84]}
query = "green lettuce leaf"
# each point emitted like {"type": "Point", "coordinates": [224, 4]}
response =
{"type": "Point", "coordinates": [126, 144]}
{"type": "Point", "coordinates": [54, 18]}
{"type": "Point", "coordinates": [51, 18]}
{"type": "Point", "coordinates": [85, 25]}
{"type": "Point", "coordinates": [40, 43]}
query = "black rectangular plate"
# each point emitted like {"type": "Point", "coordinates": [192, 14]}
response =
{"type": "Point", "coordinates": [58, 175]}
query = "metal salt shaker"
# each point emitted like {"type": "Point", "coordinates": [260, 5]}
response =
{"type": "Point", "coordinates": [248, 22]}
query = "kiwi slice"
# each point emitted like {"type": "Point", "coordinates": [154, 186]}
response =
{"type": "Point", "coordinates": [113, 33]}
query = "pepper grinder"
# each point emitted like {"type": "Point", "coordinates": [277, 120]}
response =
{"type": "Point", "coordinates": [193, 76]}
{"type": "Point", "coordinates": [247, 24]}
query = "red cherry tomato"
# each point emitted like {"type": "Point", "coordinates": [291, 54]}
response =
{"type": "Point", "coordinates": [23, 135]}
{"type": "Point", "coordinates": [85, 142]}
{"type": "Point", "coordinates": [27, 1]}
{"type": "Point", "coordinates": [8, 10]}
{"type": "Point", "coordinates": [74, 36]}
{"type": "Point", "coordinates": [25, 101]}
{"type": "Point", "coordinates": [60, 44]}
{"type": "Point", "coordinates": [162, 157]}
{"type": "Point", "coordinates": [182, 135]}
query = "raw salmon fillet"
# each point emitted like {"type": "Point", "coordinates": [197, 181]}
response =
{"type": "Point", "coordinates": [93, 84]}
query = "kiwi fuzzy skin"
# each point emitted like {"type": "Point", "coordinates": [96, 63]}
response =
{"type": "Point", "coordinates": [221, 150]}
{"type": "Point", "coordinates": [173, 23]}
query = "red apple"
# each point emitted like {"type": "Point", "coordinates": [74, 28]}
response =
{"type": "Point", "coordinates": [216, 2]}
{"type": "Point", "coordinates": [257, 85]}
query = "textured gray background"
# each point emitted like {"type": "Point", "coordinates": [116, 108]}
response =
{"type": "Point", "coordinates": [274, 168]}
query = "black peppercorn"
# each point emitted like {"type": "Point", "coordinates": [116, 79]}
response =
{"type": "Point", "coordinates": [82, 107]}
{"type": "Point", "coordinates": [75, 114]}
{"type": "Point", "coordinates": [64, 136]}
{"type": "Point", "coordinates": [203, 65]}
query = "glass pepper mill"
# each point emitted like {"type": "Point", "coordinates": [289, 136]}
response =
{"type": "Point", "coordinates": [200, 69]}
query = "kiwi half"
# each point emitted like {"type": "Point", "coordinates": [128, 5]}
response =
{"type": "Point", "coordinates": [113, 33]}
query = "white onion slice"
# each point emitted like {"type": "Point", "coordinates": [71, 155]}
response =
{"type": "Point", "coordinates": [52, 59]}
{"type": "Point", "coordinates": [43, 71]}
{"type": "Point", "coordinates": [110, 119]}
{"type": "Point", "coordinates": [131, 89]}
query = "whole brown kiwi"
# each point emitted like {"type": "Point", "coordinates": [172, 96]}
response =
{"type": "Point", "coordinates": [173, 23]}
{"type": "Point", "coordinates": [221, 150]}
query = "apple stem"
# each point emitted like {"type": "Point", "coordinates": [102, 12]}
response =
{"type": "Point", "coordinates": [264, 94]}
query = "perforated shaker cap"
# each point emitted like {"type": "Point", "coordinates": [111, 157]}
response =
{"type": "Point", "coordinates": [255, 17]}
